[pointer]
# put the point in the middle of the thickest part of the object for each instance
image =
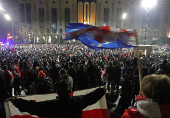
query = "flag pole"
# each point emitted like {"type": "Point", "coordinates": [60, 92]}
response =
{"type": "Point", "coordinates": [139, 62]}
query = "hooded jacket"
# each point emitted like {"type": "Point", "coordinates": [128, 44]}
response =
{"type": "Point", "coordinates": [146, 108]}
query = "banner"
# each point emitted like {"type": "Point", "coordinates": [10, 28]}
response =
{"type": "Point", "coordinates": [97, 110]}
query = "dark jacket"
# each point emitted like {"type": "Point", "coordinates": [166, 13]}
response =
{"type": "Point", "coordinates": [82, 79]}
{"type": "Point", "coordinates": [70, 107]}
{"type": "Point", "coordinates": [117, 73]}
{"type": "Point", "coordinates": [92, 72]}
{"type": "Point", "coordinates": [110, 71]}
{"type": "Point", "coordinates": [72, 72]}
{"type": "Point", "coordinates": [54, 73]}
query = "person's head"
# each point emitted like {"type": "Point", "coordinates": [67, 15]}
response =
{"type": "Point", "coordinates": [41, 75]}
{"type": "Point", "coordinates": [156, 87]}
{"type": "Point", "coordinates": [82, 67]}
{"type": "Point", "coordinates": [105, 66]}
{"type": "Point", "coordinates": [16, 62]}
{"type": "Point", "coordinates": [127, 63]}
{"type": "Point", "coordinates": [53, 64]}
{"type": "Point", "coordinates": [5, 67]}
{"type": "Point", "coordinates": [117, 64]}
{"type": "Point", "coordinates": [45, 63]}
{"type": "Point", "coordinates": [24, 64]}
{"type": "Point", "coordinates": [110, 63]}
{"type": "Point", "coordinates": [62, 87]}
{"type": "Point", "coordinates": [70, 64]}
{"type": "Point", "coordinates": [127, 73]}
{"type": "Point", "coordinates": [63, 73]}
{"type": "Point", "coordinates": [165, 62]}
{"type": "Point", "coordinates": [89, 62]}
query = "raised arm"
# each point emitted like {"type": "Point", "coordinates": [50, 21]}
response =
{"type": "Point", "coordinates": [93, 97]}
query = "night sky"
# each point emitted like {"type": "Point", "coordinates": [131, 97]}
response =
{"type": "Point", "coordinates": [11, 7]}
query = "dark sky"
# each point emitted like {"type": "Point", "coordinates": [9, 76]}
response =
{"type": "Point", "coordinates": [11, 7]}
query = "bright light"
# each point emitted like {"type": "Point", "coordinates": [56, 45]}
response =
{"type": "Point", "coordinates": [7, 43]}
{"type": "Point", "coordinates": [149, 3]}
{"type": "Point", "coordinates": [8, 34]}
{"type": "Point", "coordinates": [7, 17]}
{"type": "Point", "coordinates": [1, 9]}
{"type": "Point", "coordinates": [124, 16]}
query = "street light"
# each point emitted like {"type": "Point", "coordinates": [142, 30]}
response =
{"type": "Point", "coordinates": [124, 16]}
{"type": "Point", "coordinates": [7, 16]}
{"type": "Point", "coordinates": [1, 9]}
{"type": "Point", "coordinates": [148, 4]}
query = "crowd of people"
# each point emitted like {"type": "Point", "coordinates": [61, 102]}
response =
{"type": "Point", "coordinates": [30, 69]}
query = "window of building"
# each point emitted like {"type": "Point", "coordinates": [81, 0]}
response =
{"type": "Point", "coordinates": [66, 2]}
{"type": "Point", "coordinates": [119, 2]}
{"type": "Point", "coordinates": [60, 30]}
{"type": "Point", "coordinates": [106, 2]}
{"type": "Point", "coordinates": [166, 18]}
{"type": "Point", "coordinates": [53, 2]}
{"type": "Point", "coordinates": [132, 2]}
{"type": "Point", "coordinates": [67, 16]}
{"type": "Point", "coordinates": [40, 2]}
{"type": "Point", "coordinates": [54, 20]}
{"type": "Point", "coordinates": [106, 16]}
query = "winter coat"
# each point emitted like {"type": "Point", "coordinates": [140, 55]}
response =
{"type": "Point", "coordinates": [146, 108]}
{"type": "Point", "coordinates": [70, 107]}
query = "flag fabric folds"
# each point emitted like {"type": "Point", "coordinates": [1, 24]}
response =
{"type": "Point", "coordinates": [103, 37]}
{"type": "Point", "coordinates": [97, 110]}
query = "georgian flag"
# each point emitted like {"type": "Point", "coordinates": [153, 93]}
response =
{"type": "Point", "coordinates": [104, 36]}
{"type": "Point", "coordinates": [104, 76]}
{"type": "Point", "coordinates": [97, 110]}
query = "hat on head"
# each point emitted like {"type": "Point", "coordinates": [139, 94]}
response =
{"type": "Point", "coordinates": [41, 74]}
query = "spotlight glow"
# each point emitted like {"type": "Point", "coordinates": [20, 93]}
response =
{"type": "Point", "coordinates": [124, 16]}
{"type": "Point", "coordinates": [149, 3]}
{"type": "Point", "coordinates": [7, 16]}
{"type": "Point", "coordinates": [1, 9]}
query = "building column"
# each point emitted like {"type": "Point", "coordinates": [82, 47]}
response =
{"type": "Point", "coordinates": [168, 30]}
{"type": "Point", "coordinates": [25, 13]}
{"type": "Point", "coordinates": [37, 19]}
{"type": "Point", "coordinates": [93, 13]}
{"type": "Point", "coordinates": [80, 12]}
{"type": "Point", "coordinates": [63, 19]}
{"type": "Point", "coordinates": [45, 20]}
{"type": "Point", "coordinates": [50, 21]}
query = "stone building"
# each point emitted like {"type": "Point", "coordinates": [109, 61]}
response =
{"type": "Point", "coordinates": [49, 18]}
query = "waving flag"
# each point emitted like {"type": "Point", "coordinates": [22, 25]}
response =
{"type": "Point", "coordinates": [100, 37]}
{"type": "Point", "coordinates": [97, 110]}
{"type": "Point", "coordinates": [107, 56]}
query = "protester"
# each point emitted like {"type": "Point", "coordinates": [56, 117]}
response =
{"type": "Point", "coordinates": [64, 106]}
{"type": "Point", "coordinates": [40, 85]}
{"type": "Point", "coordinates": [63, 75]}
{"type": "Point", "coordinates": [110, 70]}
{"type": "Point", "coordinates": [82, 78]}
{"type": "Point", "coordinates": [54, 72]}
{"type": "Point", "coordinates": [9, 79]}
{"type": "Point", "coordinates": [154, 99]}
{"type": "Point", "coordinates": [72, 73]}
{"type": "Point", "coordinates": [51, 58]}
{"type": "Point", "coordinates": [126, 96]}
{"type": "Point", "coordinates": [92, 73]}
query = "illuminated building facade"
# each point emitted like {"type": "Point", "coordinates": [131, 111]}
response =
{"type": "Point", "coordinates": [49, 18]}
